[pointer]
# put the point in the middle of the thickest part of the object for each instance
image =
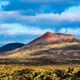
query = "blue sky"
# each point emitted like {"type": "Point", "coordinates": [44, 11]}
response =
{"type": "Point", "coordinates": [25, 20]}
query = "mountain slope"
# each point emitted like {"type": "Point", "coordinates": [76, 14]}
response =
{"type": "Point", "coordinates": [48, 49]}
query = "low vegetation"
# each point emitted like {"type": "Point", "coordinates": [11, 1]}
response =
{"type": "Point", "coordinates": [48, 72]}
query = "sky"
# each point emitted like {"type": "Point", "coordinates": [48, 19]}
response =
{"type": "Point", "coordinates": [24, 20]}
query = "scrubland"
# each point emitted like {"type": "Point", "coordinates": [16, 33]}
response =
{"type": "Point", "coordinates": [44, 72]}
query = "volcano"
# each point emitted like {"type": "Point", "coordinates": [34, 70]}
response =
{"type": "Point", "coordinates": [49, 48]}
{"type": "Point", "coordinates": [49, 37]}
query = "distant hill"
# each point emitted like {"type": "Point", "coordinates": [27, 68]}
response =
{"type": "Point", "coordinates": [49, 48]}
{"type": "Point", "coordinates": [10, 47]}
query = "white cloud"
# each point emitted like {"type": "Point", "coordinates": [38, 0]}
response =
{"type": "Point", "coordinates": [72, 15]}
{"type": "Point", "coordinates": [67, 17]}
{"type": "Point", "coordinates": [73, 31]}
{"type": "Point", "coordinates": [18, 29]}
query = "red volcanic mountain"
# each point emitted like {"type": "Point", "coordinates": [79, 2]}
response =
{"type": "Point", "coordinates": [49, 37]}
{"type": "Point", "coordinates": [48, 49]}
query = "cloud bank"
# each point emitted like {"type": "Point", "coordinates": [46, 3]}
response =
{"type": "Point", "coordinates": [18, 29]}
{"type": "Point", "coordinates": [9, 30]}
{"type": "Point", "coordinates": [13, 22]}
{"type": "Point", "coordinates": [69, 18]}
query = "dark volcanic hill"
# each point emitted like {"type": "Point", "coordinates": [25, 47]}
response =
{"type": "Point", "coordinates": [10, 47]}
{"type": "Point", "coordinates": [49, 48]}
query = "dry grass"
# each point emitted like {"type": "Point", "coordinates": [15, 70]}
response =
{"type": "Point", "coordinates": [17, 72]}
{"type": "Point", "coordinates": [13, 67]}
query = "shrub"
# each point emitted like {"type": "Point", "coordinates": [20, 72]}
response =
{"type": "Point", "coordinates": [25, 74]}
